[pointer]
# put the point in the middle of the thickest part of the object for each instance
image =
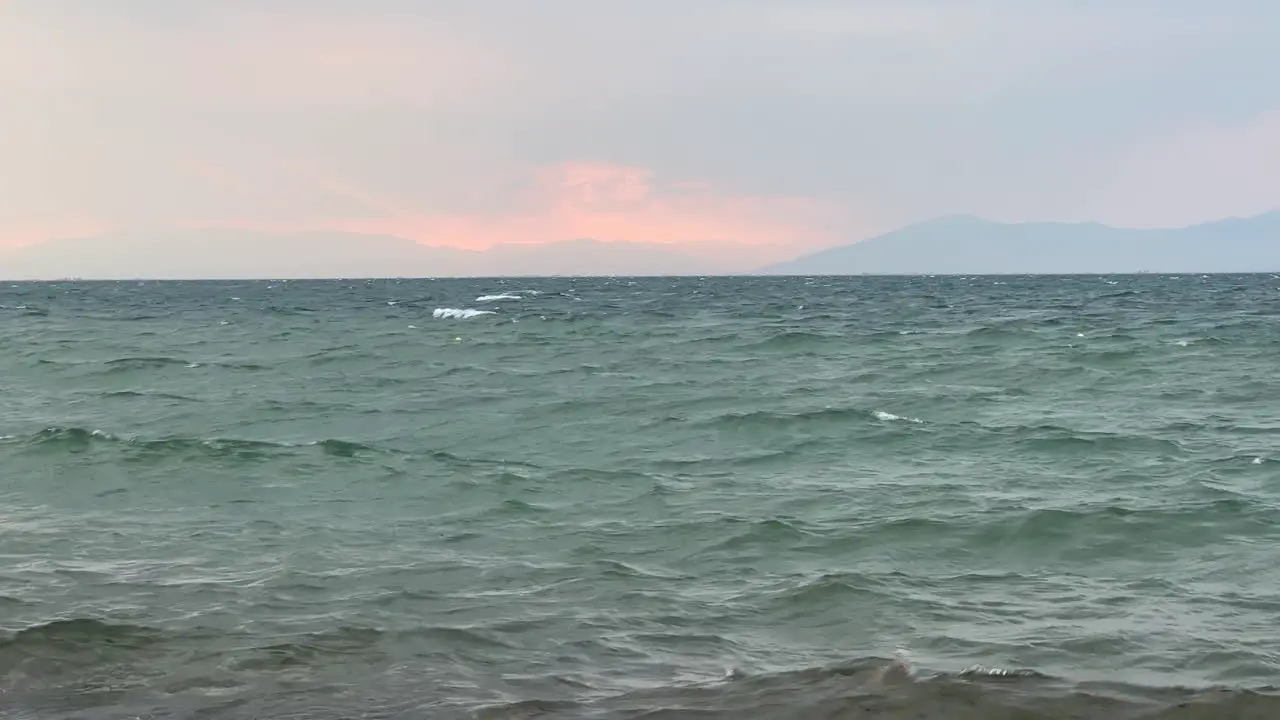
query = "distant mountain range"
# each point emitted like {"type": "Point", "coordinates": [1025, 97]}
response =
{"type": "Point", "coordinates": [237, 254]}
{"type": "Point", "coordinates": [961, 245]}
{"type": "Point", "coordinates": [966, 245]}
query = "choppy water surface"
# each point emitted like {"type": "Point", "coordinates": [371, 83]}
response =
{"type": "Point", "coordinates": [749, 498]}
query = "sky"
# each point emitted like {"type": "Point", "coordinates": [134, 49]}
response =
{"type": "Point", "coordinates": [744, 130]}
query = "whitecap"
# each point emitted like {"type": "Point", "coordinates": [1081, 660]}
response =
{"type": "Point", "coordinates": [902, 662]}
{"type": "Point", "coordinates": [982, 671]}
{"type": "Point", "coordinates": [890, 417]}
{"type": "Point", "coordinates": [458, 313]}
{"type": "Point", "coordinates": [900, 669]}
{"type": "Point", "coordinates": [503, 296]}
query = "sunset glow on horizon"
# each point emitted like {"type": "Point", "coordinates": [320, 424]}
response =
{"type": "Point", "coordinates": [612, 204]}
{"type": "Point", "coordinates": [571, 201]}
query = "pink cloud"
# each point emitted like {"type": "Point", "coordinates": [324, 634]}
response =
{"type": "Point", "coordinates": [615, 204]}
{"type": "Point", "coordinates": [231, 129]}
{"type": "Point", "coordinates": [19, 234]}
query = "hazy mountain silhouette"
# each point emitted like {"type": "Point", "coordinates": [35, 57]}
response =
{"type": "Point", "coordinates": [236, 254]}
{"type": "Point", "coordinates": [963, 245]}
{"type": "Point", "coordinates": [967, 245]}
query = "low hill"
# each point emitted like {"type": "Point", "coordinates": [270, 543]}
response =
{"type": "Point", "coordinates": [240, 254]}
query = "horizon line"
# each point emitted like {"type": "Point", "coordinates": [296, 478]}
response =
{"type": "Point", "coordinates": [699, 276]}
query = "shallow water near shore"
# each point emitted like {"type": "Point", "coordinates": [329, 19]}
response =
{"type": "Point", "coordinates": [986, 497]}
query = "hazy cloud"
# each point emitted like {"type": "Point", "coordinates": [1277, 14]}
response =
{"type": "Point", "coordinates": [778, 124]}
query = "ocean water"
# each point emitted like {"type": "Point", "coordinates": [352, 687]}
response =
{"type": "Point", "coordinates": [982, 497]}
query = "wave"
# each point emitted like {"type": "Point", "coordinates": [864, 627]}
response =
{"type": "Point", "coordinates": [458, 313]}
{"type": "Point", "coordinates": [311, 649]}
{"type": "Point", "coordinates": [894, 689]}
{"type": "Point", "coordinates": [91, 641]}
{"type": "Point", "coordinates": [61, 652]}
{"type": "Point", "coordinates": [84, 633]}
{"type": "Point", "coordinates": [1060, 439]}
{"type": "Point", "coordinates": [75, 439]}
{"type": "Point", "coordinates": [132, 394]}
{"type": "Point", "coordinates": [1015, 534]}
{"type": "Point", "coordinates": [793, 340]}
{"type": "Point", "coordinates": [737, 536]}
{"type": "Point", "coordinates": [66, 437]}
{"type": "Point", "coordinates": [126, 364]}
{"type": "Point", "coordinates": [495, 298]}
{"type": "Point", "coordinates": [343, 448]}
{"type": "Point", "coordinates": [145, 363]}
{"type": "Point", "coordinates": [769, 418]}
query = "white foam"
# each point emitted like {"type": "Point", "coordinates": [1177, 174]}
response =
{"type": "Point", "coordinates": [902, 658]}
{"type": "Point", "coordinates": [458, 313]}
{"type": "Point", "coordinates": [890, 417]}
{"type": "Point", "coordinates": [492, 298]}
{"type": "Point", "coordinates": [899, 670]}
{"type": "Point", "coordinates": [992, 672]}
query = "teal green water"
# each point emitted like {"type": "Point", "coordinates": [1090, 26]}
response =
{"type": "Point", "coordinates": [789, 497]}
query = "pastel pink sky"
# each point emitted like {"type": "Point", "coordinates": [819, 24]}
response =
{"type": "Point", "coordinates": [745, 132]}
{"type": "Point", "coordinates": [579, 200]}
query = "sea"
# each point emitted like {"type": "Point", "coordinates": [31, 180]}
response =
{"type": "Point", "coordinates": [825, 497]}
